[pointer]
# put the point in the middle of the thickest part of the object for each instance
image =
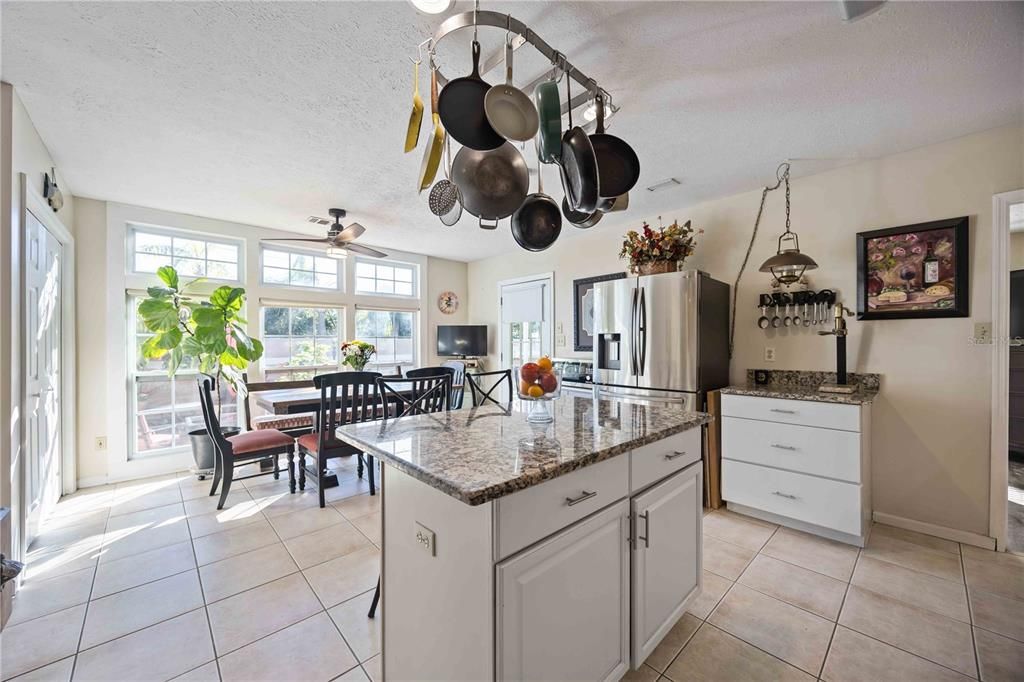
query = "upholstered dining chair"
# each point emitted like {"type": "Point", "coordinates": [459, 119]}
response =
{"type": "Point", "coordinates": [345, 398]}
{"type": "Point", "coordinates": [244, 448]}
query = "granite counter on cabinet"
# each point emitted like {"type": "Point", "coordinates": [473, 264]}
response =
{"type": "Point", "coordinates": [803, 385]}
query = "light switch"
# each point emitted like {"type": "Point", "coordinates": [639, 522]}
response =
{"type": "Point", "coordinates": [558, 327]}
{"type": "Point", "coordinates": [982, 333]}
{"type": "Point", "coordinates": [426, 539]}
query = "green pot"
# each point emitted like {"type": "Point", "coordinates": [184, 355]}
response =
{"type": "Point", "coordinates": [549, 109]}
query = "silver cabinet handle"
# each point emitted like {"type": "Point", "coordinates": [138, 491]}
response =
{"type": "Point", "coordinates": [775, 409]}
{"type": "Point", "coordinates": [786, 495]}
{"type": "Point", "coordinates": [582, 498]}
{"type": "Point", "coordinates": [646, 537]}
{"type": "Point", "coordinates": [674, 454]}
{"type": "Point", "coordinates": [783, 447]}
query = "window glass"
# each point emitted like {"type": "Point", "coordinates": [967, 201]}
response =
{"type": "Point", "coordinates": [390, 279]}
{"type": "Point", "coordinates": [299, 342]}
{"type": "Point", "coordinates": [298, 269]}
{"type": "Point", "coordinates": [191, 256]}
{"type": "Point", "coordinates": [393, 333]}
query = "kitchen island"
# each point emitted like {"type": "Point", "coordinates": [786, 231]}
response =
{"type": "Point", "coordinates": [514, 550]}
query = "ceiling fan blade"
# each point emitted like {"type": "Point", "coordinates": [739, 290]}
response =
{"type": "Point", "coordinates": [365, 250]}
{"type": "Point", "coordinates": [353, 231]}
{"type": "Point", "coordinates": [322, 240]}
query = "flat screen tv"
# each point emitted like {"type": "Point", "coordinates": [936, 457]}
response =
{"type": "Point", "coordinates": [461, 340]}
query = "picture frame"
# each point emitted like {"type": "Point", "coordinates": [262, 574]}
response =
{"type": "Point", "coordinates": [583, 309]}
{"type": "Point", "coordinates": [914, 271]}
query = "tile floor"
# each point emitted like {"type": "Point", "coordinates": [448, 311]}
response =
{"type": "Point", "coordinates": [147, 581]}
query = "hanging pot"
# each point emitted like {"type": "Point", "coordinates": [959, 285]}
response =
{"type": "Point", "coordinates": [508, 109]}
{"type": "Point", "coordinates": [549, 111]}
{"type": "Point", "coordinates": [461, 106]}
{"type": "Point", "coordinates": [493, 184]}
{"type": "Point", "coordinates": [537, 223]}
{"type": "Point", "coordinates": [578, 164]}
{"type": "Point", "coordinates": [618, 167]}
{"type": "Point", "coordinates": [580, 219]}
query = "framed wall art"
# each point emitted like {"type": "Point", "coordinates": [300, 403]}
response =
{"type": "Point", "coordinates": [914, 271]}
{"type": "Point", "coordinates": [583, 310]}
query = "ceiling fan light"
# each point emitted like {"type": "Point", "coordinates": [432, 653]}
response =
{"type": "Point", "coordinates": [337, 252]}
{"type": "Point", "coordinates": [432, 6]}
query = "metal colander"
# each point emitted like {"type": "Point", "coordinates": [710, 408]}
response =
{"type": "Point", "coordinates": [443, 197]}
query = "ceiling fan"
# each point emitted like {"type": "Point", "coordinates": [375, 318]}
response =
{"type": "Point", "coordinates": [339, 239]}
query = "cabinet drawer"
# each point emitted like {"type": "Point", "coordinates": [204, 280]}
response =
{"type": "Point", "coordinates": [809, 450]}
{"type": "Point", "coordinates": [651, 463]}
{"type": "Point", "coordinates": [529, 515]}
{"type": "Point", "coordinates": [826, 503]}
{"type": "Point", "coordinates": [803, 412]}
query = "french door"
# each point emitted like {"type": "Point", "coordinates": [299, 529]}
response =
{"type": "Point", "coordinates": [526, 329]}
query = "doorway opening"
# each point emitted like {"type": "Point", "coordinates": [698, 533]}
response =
{"type": "Point", "coordinates": [527, 331]}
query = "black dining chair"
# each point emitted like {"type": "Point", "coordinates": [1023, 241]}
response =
{"type": "Point", "coordinates": [478, 380]}
{"type": "Point", "coordinates": [244, 448]}
{"type": "Point", "coordinates": [458, 381]}
{"type": "Point", "coordinates": [345, 398]}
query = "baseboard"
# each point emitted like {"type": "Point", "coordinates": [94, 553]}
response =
{"type": "Point", "coordinates": [966, 537]}
{"type": "Point", "coordinates": [92, 481]}
{"type": "Point", "coordinates": [813, 529]}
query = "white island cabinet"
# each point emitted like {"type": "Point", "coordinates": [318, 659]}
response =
{"type": "Point", "coordinates": [518, 552]}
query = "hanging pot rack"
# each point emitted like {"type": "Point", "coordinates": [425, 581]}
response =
{"type": "Point", "coordinates": [509, 23]}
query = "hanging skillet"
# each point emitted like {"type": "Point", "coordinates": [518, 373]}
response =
{"type": "Point", "coordinates": [461, 106]}
{"type": "Point", "coordinates": [509, 111]}
{"type": "Point", "coordinates": [578, 164]}
{"type": "Point", "coordinates": [537, 223]}
{"type": "Point", "coordinates": [617, 164]}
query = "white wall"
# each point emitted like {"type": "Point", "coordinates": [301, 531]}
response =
{"type": "Point", "coordinates": [932, 420]}
{"type": "Point", "coordinates": [102, 281]}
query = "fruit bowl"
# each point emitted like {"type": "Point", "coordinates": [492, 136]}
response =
{"type": "Point", "coordinates": [539, 382]}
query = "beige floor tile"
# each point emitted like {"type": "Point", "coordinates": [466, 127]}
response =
{"type": "Point", "coordinates": [370, 526]}
{"type": "Point", "coordinates": [204, 673]}
{"type": "Point", "coordinates": [129, 541]}
{"type": "Point", "coordinates": [738, 529]}
{"type": "Point", "coordinates": [798, 586]}
{"type": "Point", "coordinates": [341, 579]}
{"type": "Point", "coordinates": [159, 652]}
{"type": "Point", "coordinates": [244, 571]}
{"type": "Point", "coordinates": [373, 669]}
{"type": "Point", "coordinates": [320, 655]}
{"type": "Point", "coordinates": [724, 558]}
{"type": "Point", "coordinates": [909, 555]}
{"type": "Point", "coordinates": [998, 614]}
{"type": "Point", "coordinates": [59, 538]}
{"type": "Point", "coordinates": [278, 503]}
{"type": "Point", "coordinates": [820, 555]}
{"type": "Point", "coordinates": [147, 518]}
{"type": "Point", "coordinates": [56, 520]}
{"type": "Point", "coordinates": [49, 595]}
{"type": "Point", "coordinates": [716, 656]}
{"type": "Point", "coordinates": [41, 641]}
{"type": "Point", "coordinates": [924, 633]}
{"type": "Point", "coordinates": [673, 643]}
{"type": "Point", "coordinates": [348, 488]}
{"type": "Point", "coordinates": [913, 587]}
{"type": "Point", "coordinates": [266, 485]}
{"type": "Point", "coordinates": [713, 590]}
{"type": "Point", "coordinates": [137, 500]}
{"type": "Point", "coordinates": [246, 617]}
{"type": "Point", "coordinates": [920, 539]}
{"type": "Point", "coordinates": [207, 504]}
{"type": "Point", "coordinates": [794, 635]}
{"type": "Point", "coordinates": [356, 674]}
{"type": "Point", "coordinates": [55, 672]}
{"type": "Point", "coordinates": [122, 574]}
{"type": "Point", "coordinates": [645, 674]}
{"type": "Point", "coordinates": [140, 607]}
{"type": "Point", "coordinates": [63, 561]}
{"type": "Point", "coordinates": [1000, 573]}
{"type": "Point", "coordinates": [360, 505]}
{"type": "Point", "coordinates": [241, 514]}
{"type": "Point", "coordinates": [323, 545]}
{"type": "Point", "coordinates": [1001, 659]}
{"type": "Point", "coordinates": [856, 658]}
{"type": "Point", "coordinates": [217, 546]}
{"type": "Point", "coordinates": [361, 632]}
{"type": "Point", "coordinates": [305, 521]}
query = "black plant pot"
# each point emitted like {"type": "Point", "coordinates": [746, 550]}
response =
{"type": "Point", "coordinates": [204, 451]}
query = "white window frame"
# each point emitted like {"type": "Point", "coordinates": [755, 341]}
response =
{"type": "Point", "coordinates": [134, 228]}
{"type": "Point", "coordinates": [415, 295]}
{"type": "Point", "coordinates": [342, 316]}
{"type": "Point", "coordinates": [417, 331]}
{"type": "Point", "coordinates": [339, 269]}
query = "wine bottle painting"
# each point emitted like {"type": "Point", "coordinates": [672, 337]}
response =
{"type": "Point", "coordinates": [913, 271]}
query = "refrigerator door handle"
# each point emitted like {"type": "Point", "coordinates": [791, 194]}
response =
{"type": "Point", "coordinates": [632, 334]}
{"type": "Point", "coordinates": [642, 333]}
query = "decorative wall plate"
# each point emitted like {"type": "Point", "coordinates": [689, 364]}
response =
{"type": "Point", "coordinates": [448, 302]}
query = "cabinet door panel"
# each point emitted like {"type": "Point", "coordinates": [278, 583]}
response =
{"type": "Point", "coordinates": [563, 606]}
{"type": "Point", "coordinates": [666, 557]}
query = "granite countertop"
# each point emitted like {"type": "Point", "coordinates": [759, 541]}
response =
{"type": "Point", "coordinates": [480, 454]}
{"type": "Point", "coordinates": [803, 385]}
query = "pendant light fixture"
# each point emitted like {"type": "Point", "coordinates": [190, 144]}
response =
{"type": "Point", "coordinates": [788, 265]}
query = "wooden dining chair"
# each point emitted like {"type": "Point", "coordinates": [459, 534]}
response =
{"type": "Point", "coordinates": [458, 381]}
{"type": "Point", "coordinates": [477, 381]}
{"type": "Point", "coordinates": [345, 398]}
{"type": "Point", "coordinates": [245, 448]}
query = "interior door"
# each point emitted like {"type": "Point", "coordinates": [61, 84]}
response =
{"type": "Point", "coordinates": [615, 310]}
{"type": "Point", "coordinates": [43, 356]}
{"type": "Point", "coordinates": [526, 322]}
{"type": "Point", "coordinates": [667, 331]}
{"type": "Point", "coordinates": [666, 557]}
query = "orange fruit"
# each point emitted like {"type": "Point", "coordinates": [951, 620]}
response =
{"type": "Point", "coordinates": [545, 364]}
{"type": "Point", "coordinates": [524, 387]}
{"type": "Point", "coordinates": [535, 391]}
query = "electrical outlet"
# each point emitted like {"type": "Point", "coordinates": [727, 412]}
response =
{"type": "Point", "coordinates": [983, 333]}
{"type": "Point", "coordinates": [101, 442]}
{"type": "Point", "coordinates": [560, 340]}
{"type": "Point", "coordinates": [426, 539]}
{"type": "Point", "coordinates": [769, 354]}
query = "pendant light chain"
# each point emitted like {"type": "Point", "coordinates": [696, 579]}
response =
{"type": "Point", "coordinates": [785, 175]}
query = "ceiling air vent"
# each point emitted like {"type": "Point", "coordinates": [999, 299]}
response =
{"type": "Point", "coordinates": [317, 220]}
{"type": "Point", "coordinates": [664, 184]}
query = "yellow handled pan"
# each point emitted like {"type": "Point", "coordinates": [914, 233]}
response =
{"type": "Point", "coordinates": [435, 145]}
{"type": "Point", "coordinates": [412, 133]}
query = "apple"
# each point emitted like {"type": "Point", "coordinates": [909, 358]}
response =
{"type": "Point", "coordinates": [549, 382]}
{"type": "Point", "coordinates": [529, 372]}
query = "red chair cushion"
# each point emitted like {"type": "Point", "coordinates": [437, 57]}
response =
{"type": "Point", "coordinates": [311, 443]}
{"type": "Point", "coordinates": [264, 439]}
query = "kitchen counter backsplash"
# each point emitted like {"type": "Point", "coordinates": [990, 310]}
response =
{"type": "Point", "coordinates": [782, 378]}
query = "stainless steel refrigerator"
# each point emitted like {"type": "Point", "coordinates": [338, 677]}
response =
{"type": "Point", "coordinates": [662, 337]}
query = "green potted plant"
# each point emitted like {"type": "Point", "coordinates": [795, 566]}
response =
{"type": "Point", "coordinates": [209, 335]}
{"type": "Point", "coordinates": [652, 252]}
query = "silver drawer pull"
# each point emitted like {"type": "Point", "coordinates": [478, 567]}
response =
{"type": "Point", "coordinates": [783, 447]}
{"type": "Point", "coordinates": [582, 498]}
{"type": "Point", "coordinates": [775, 409]}
{"type": "Point", "coordinates": [786, 495]}
{"type": "Point", "coordinates": [675, 453]}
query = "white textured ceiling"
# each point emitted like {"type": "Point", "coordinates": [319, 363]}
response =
{"type": "Point", "coordinates": [265, 113]}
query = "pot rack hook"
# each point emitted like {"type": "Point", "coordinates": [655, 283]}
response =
{"type": "Point", "coordinates": [476, 10]}
{"type": "Point", "coordinates": [419, 53]}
